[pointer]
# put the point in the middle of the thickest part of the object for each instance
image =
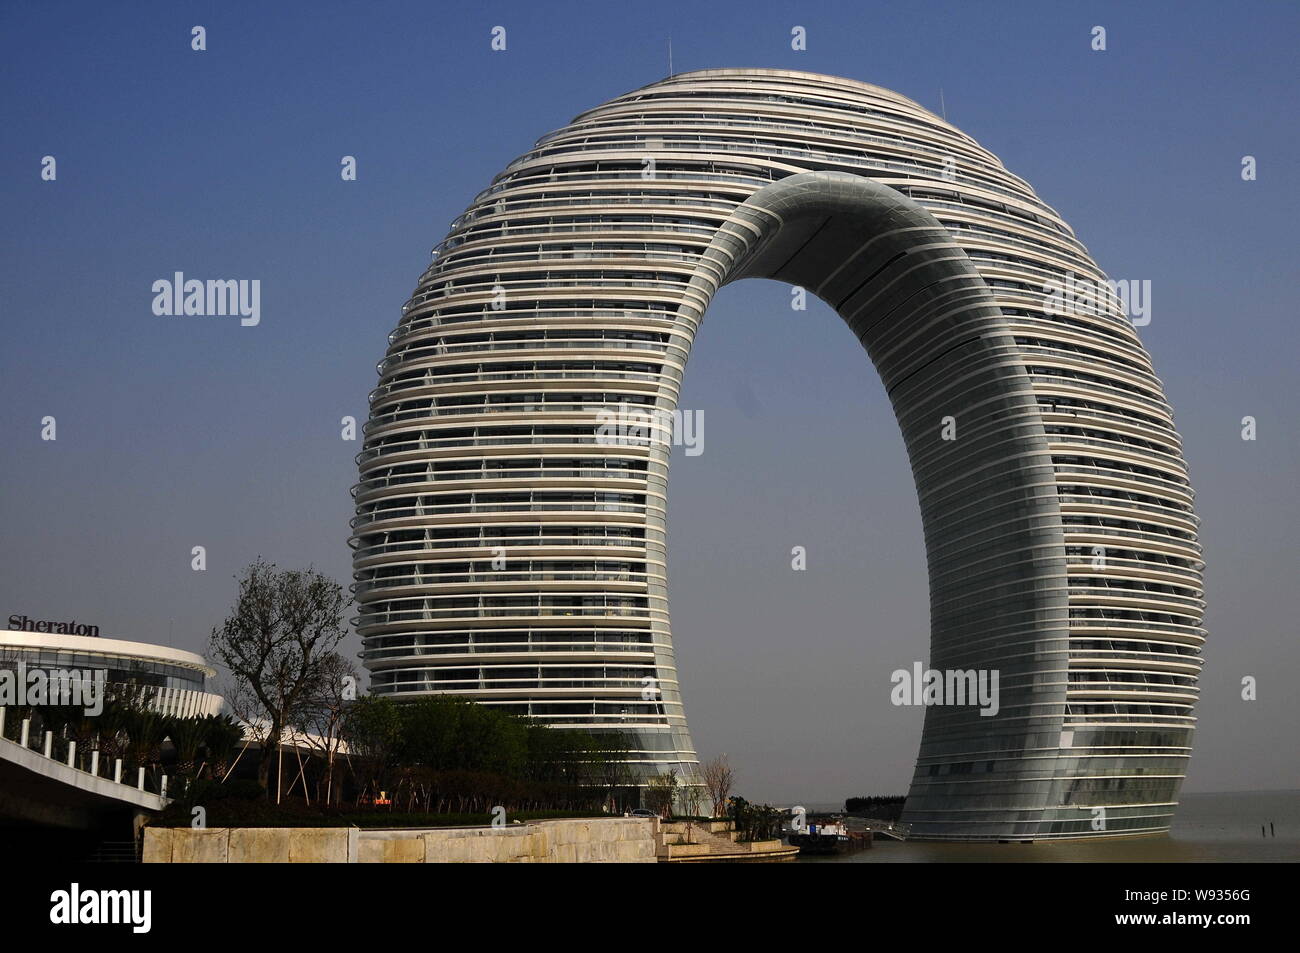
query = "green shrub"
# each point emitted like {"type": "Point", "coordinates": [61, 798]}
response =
{"type": "Point", "coordinates": [199, 792]}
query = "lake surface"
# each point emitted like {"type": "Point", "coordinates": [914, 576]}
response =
{"type": "Point", "coordinates": [1208, 828]}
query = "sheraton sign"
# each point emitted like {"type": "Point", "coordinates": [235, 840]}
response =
{"type": "Point", "coordinates": [21, 623]}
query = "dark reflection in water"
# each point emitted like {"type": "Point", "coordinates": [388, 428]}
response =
{"type": "Point", "coordinates": [1208, 828]}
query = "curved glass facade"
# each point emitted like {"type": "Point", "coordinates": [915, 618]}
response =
{"type": "Point", "coordinates": [506, 549]}
{"type": "Point", "coordinates": [175, 679]}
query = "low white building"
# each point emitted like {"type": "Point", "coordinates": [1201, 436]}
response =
{"type": "Point", "coordinates": [177, 679]}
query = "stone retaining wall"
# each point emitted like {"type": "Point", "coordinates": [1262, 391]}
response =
{"type": "Point", "coordinates": [586, 840]}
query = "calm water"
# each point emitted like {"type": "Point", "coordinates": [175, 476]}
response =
{"type": "Point", "coordinates": [1219, 828]}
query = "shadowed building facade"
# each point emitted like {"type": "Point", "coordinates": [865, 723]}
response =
{"type": "Point", "coordinates": [506, 548]}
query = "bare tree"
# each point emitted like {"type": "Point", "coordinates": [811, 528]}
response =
{"type": "Point", "coordinates": [248, 710]}
{"type": "Point", "coordinates": [284, 625]}
{"type": "Point", "coordinates": [692, 796]}
{"type": "Point", "coordinates": [324, 713]}
{"type": "Point", "coordinates": [718, 780]}
{"type": "Point", "coordinates": [661, 792]}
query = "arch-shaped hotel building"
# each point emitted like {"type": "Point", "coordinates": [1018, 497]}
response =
{"type": "Point", "coordinates": [506, 548]}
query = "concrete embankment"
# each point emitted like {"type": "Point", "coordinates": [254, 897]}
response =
{"type": "Point", "coordinates": [627, 840]}
{"type": "Point", "coordinates": [695, 842]}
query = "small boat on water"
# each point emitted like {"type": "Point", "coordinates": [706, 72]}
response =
{"type": "Point", "coordinates": [829, 839]}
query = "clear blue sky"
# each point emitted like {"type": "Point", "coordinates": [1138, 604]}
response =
{"type": "Point", "coordinates": [181, 432]}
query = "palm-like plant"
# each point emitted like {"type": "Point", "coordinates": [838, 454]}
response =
{"type": "Point", "coordinates": [55, 717]}
{"type": "Point", "coordinates": [146, 729]}
{"type": "Point", "coordinates": [221, 734]}
{"type": "Point", "coordinates": [83, 729]}
{"type": "Point", "coordinates": [187, 735]}
{"type": "Point", "coordinates": [110, 729]}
